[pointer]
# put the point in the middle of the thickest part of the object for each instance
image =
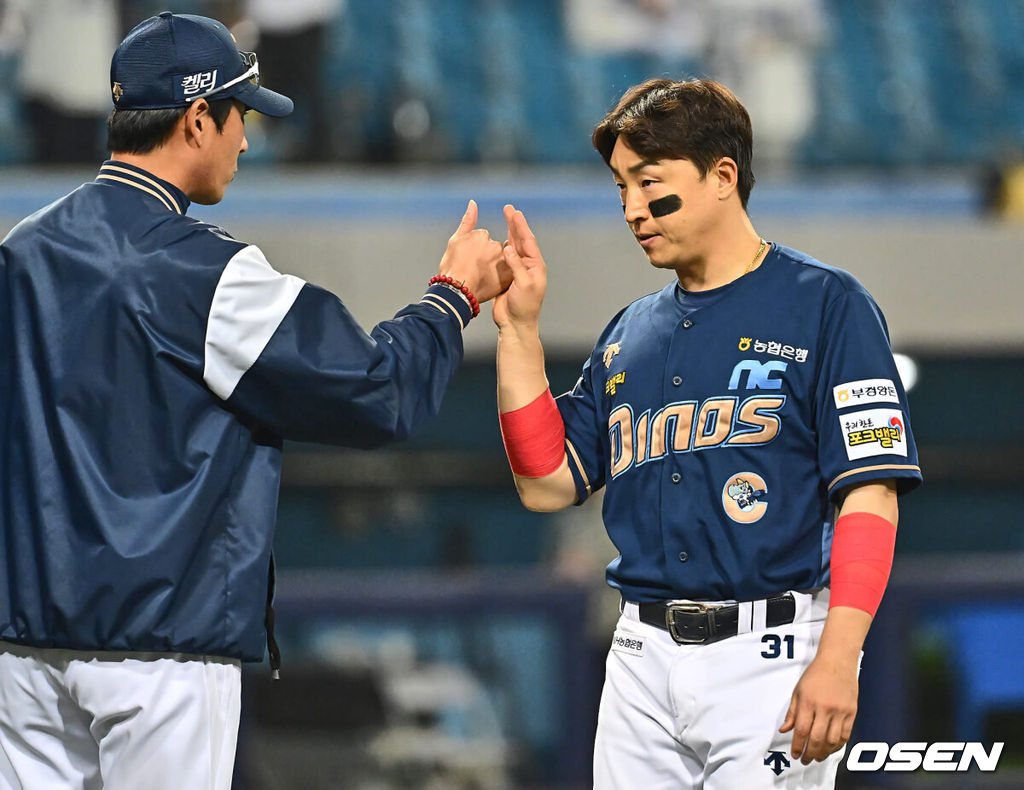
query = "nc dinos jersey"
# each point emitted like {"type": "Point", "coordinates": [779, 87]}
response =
{"type": "Point", "coordinates": [723, 423]}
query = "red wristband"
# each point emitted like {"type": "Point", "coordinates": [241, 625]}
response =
{"type": "Point", "coordinates": [534, 437]}
{"type": "Point", "coordinates": [862, 551]}
{"type": "Point", "coordinates": [460, 287]}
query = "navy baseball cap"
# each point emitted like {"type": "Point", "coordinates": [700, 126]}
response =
{"type": "Point", "coordinates": [171, 60]}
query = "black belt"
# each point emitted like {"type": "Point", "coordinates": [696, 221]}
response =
{"type": "Point", "coordinates": [700, 624]}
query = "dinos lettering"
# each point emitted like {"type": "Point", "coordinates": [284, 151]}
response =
{"type": "Point", "coordinates": [687, 426]}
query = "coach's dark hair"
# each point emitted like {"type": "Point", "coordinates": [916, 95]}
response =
{"type": "Point", "coordinates": [698, 120]}
{"type": "Point", "coordinates": [141, 131]}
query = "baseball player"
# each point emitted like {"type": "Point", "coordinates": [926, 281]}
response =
{"type": "Point", "coordinates": [751, 432]}
{"type": "Point", "coordinates": [150, 368]}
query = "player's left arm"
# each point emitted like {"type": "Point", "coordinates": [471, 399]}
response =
{"type": "Point", "coordinates": [824, 702]}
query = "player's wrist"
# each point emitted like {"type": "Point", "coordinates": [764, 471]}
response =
{"type": "Point", "coordinates": [840, 655]}
{"type": "Point", "coordinates": [519, 330]}
{"type": "Point", "coordinates": [842, 638]}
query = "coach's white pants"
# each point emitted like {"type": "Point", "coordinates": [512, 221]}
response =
{"type": "Point", "coordinates": [682, 717]}
{"type": "Point", "coordinates": [118, 721]}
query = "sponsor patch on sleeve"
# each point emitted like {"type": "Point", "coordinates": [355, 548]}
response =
{"type": "Point", "coordinates": [857, 393]}
{"type": "Point", "coordinates": [874, 432]}
{"type": "Point", "coordinates": [628, 643]}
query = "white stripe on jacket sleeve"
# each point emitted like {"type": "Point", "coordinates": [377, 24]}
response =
{"type": "Point", "coordinates": [249, 304]}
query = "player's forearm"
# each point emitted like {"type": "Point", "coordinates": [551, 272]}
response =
{"type": "Point", "coordinates": [521, 379]}
{"type": "Point", "coordinates": [843, 637]}
{"type": "Point", "coordinates": [521, 374]}
{"type": "Point", "coordinates": [846, 627]}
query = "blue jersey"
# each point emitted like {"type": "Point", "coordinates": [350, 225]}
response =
{"type": "Point", "coordinates": [150, 367]}
{"type": "Point", "coordinates": [724, 423]}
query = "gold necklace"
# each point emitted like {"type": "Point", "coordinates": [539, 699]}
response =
{"type": "Point", "coordinates": [760, 249]}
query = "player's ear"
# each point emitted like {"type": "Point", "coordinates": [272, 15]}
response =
{"type": "Point", "coordinates": [728, 175]}
{"type": "Point", "coordinates": [197, 122]}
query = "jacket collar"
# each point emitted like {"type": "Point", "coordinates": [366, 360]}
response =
{"type": "Point", "coordinates": [123, 173]}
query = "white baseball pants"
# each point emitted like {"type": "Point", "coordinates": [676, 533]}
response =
{"type": "Point", "coordinates": [118, 721]}
{"type": "Point", "coordinates": [706, 717]}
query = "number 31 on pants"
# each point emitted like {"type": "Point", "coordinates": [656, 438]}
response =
{"type": "Point", "coordinates": [774, 646]}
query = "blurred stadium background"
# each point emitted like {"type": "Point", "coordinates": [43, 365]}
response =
{"type": "Point", "coordinates": [435, 634]}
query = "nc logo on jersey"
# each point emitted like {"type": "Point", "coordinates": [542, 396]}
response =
{"type": "Point", "coordinates": [759, 374]}
{"type": "Point", "coordinates": [611, 350]}
{"type": "Point", "coordinates": [743, 497]}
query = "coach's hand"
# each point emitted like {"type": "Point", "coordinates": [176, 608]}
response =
{"type": "Point", "coordinates": [519, 306]}
{"type": "Point", "coordinates": [823, 708]}
{"type": "Point", "coordinates": [476, 259]}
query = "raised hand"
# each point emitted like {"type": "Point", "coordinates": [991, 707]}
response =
{"type": "Point", "coordinates": [474, 258]}
{"type": "Point", "coordinates": [519, 306]}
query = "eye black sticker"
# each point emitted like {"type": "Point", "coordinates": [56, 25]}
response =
{"type": "Point", "coordinates": [666, 205]}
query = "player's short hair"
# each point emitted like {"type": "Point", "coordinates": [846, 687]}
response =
{"type": "Point", "coordinates": [142, 131]}
{"type": "Point", "coordinates": [699, 120]}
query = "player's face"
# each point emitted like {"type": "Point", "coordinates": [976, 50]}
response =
{"type": "Point", "coordinates": [221, 161]}
{"type": "Point", "coordinates": [668, 205]}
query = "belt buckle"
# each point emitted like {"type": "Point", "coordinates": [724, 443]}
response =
{"type": "Point", "coordinates": [685, 608]}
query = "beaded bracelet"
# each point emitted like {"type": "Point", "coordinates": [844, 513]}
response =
{"type": "Point", "coordinates": [458, 287]}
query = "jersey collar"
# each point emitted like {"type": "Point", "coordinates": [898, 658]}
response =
{"type": "Point", "coordinates": [169, 195]}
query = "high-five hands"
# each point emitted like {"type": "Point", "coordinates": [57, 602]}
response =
{"type": "Point", "coordinates": [519, 306]}
{"type": "Point", "coordinates": [474, 258]}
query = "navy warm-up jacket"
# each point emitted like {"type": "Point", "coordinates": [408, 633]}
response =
{"type": "Point", "coordinates": [150, 367]}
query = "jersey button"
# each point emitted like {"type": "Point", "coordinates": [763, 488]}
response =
{"type": "Point", "coordinates": [677, 380]}
{"type": "Point", "coordinates": [676, 477]}
{"type": "Point", "coordinates": [683, 556]}
{"type": "Point", "coordinates": [687, 323]}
